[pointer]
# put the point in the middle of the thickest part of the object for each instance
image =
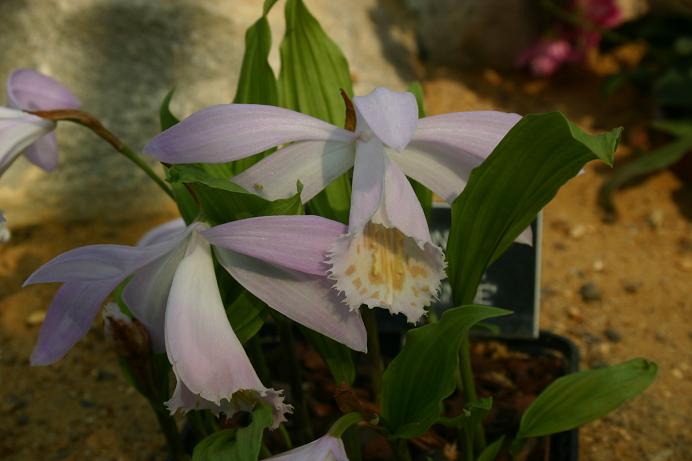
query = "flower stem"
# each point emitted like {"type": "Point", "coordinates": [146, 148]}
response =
{"type": "Point", "coordinates": [469, 390]}
{"type": "Point", "coordinates": [374, 352]}
{"type": "Point", "coordinates": [304, 431]}
{"type": "Point", "coordinates": [170, 431]}
{"type": "Point", "coordinates": [89, 121]}
{"type": "Point", "coordinates": [402, 451]}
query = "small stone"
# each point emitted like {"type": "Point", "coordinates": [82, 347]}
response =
{"type": "Point", "coordinates": [590, 338]}
{"type": "Point", "coordinates": [575, 314]}
{"type": "Point", "coordinates": [685, 264]}
{"type": "Point", "coordinates": [598, 265]}
{"type": "Point", "coordinates": [655, 219]}
{"type": "Point", "coordinates": [84, 403]}
{"type": "Point", "coordinates": [631, 286]}
{"type": "Point", "coordinates": [590, 292]}
{"type": "Point", "coordinates": [13, 403]}
{"type": "Point", "coordinates": [559, 246]}
{"type": "Point", "coordinates": [612, 335]}
{"type": "Point", "coordinates": [22, 419]}
{"type": "Point", "coordinates": [660, 337]}
{"type": "Point", "coordinates": [548, 291]}
{"type": "Point", "coordinates": [677, 373]}
{"type": "Point", "coordinates": [35, 318]}
{"type": "Point", "coordinates": [577, 231]}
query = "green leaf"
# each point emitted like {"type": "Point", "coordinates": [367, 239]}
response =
{"type": "Point", "coordinates": [257, 83]}
{"type": "Point", "coordinates": [224, 201]}
{"type": "Point", "coordinates": [653, 161]}
{"type": "Point", "coordinates": [425, 195]}
{"type": "Point", "coordinates": [268, 4]}
{"type": "Point", "coordinates": [241, 444]}
{"type": "Point", "coordinates": [166, 118]}
{"type": "Point", "coordinates": [337, 356]}
{"type": "Point", "coordinates": [313, 70]}
{"type": "Point", "coordinates": [246, 315]}
{"type": "Point", "coordinates": [491, 451]}
{"type": "Point", "coordinates": [422, 374]}
{"type": "Point", "coordinates": [582, 397]}
{"type": "Point", "coordinates": [504, 194]}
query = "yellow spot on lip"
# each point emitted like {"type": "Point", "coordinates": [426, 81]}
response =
{"type": "Point", "coordinates": [258, 186]}
{"type": "Point", "coordinates": [357, 283]}
{"type": "Point", "coordinates": [350, 270]}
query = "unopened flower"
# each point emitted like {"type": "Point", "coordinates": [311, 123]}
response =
{"type": "Point", "coordinates": [28, 90]}
{"type": "Point", "coordinates": [326, 448]}
{"type": "Point", "coordinates": [386, 258]}
{"type": "Point", "coordinates": [174, 293]}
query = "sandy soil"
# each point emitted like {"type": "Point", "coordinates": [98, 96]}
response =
{"type": "Point", "coordinates": [639, 296]}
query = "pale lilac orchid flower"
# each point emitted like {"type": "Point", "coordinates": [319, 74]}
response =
{"type": "Point", "coordinates": [28, 90]}
{"type": "Point", "coordinates": [326, 448]}
{"type": "Point", "coordinates": [174, 293]}
{"type": "Point", "coordinates": [386, 258]}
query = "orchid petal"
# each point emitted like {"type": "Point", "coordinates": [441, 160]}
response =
{"type": "Point", "coordinates": [306, 299]}
{"type": "Point", "coordinates": [44, 152]}
{"type": "Point", "coordinates": [368, 178]}
{"type": "Point", "coordinates": [233, 131]}
{"type": "Point", "coordinates": [201, 346]}
{"type": "Point", "coordinates": [326, 448]}
{"type": "Point", "coordinates": [30, 90]}
{"type": "Point", "coordinates": [18, 130]}
{"type": "Point", "coordinates": [174, 229]}
{"type": "Point", "coordinates": [474, 134]}
{"type": "Point", "coordinates": [526, 237]}
{"type": "Point", "coordinates": [392, 116]}
{"type": "Point", "coordinates": [69, 317]}
{"type": "Point", "coordinates": [441, 169]}
{"type": "Point", "coordinates": [147, 294]}
{"type": "Point", "coordinates": [294, 242]}
{"type": "Point", "coordinates": [314, 163]}
{"type": "Point", "coordinates": [98, 262]}
{"type": "Point", "coordinates": [391, 261]}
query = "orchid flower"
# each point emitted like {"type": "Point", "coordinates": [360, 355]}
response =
{"type": "Point", "coordinates": [326, 448]}
{"type": "Point", "coordinates": [174, 293]}
{"type": "Point", "coordinates": [386, 258]}
{"type": "Point", "coordinates": [28, 90]}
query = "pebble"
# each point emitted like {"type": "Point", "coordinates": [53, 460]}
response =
{"type": "Point", "coordinates": [655, 218]}
{"type": "Point", "coordinates": [598, 265]}
{"type": "Point", "coordinates": [577, 231]}
{"type": "Point", "coordinates": [660, 337]}
{"type": "Point", "coordinates": [631, 286]}
{"type": "Point", "coordinates": [677, 373]}
{"type": "Point", "coordinates": [685, 264]}
{"type": "Point", "coordinates": [590, 292]}
{"type": "Point", "coordinates": [590, 338]}
{"type": "Point", "coordinates": [35, 318]}
{"type": "Point", "coordinates": [612, 335]}
{"type": "Point", "coordinates": [575, 314]}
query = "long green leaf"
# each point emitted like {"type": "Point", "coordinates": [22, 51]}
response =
{"type": "Point", "coordinates": [224, 201]}
{"type": "Point", "coordinates": [582, 397]}
{"type": "Point", "coordinates": [257, 83]}
{"type": "Point", "coordinates": [422, 374]}
{"type": "Point", "coordinates": [491, 451]}
{"type": "Point", "coordinates": [653, 161]}
{"type": "Point", "coordinates": [313, 70]}
{"type": "Point", "coordinates": [504, 194]}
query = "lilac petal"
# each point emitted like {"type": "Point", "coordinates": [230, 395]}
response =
{"type": "Point", "coordinates": [368, 178]}
{"type": "Point", "coordinates": [294, 242]}
{"type": "Point", "coordinates": [201, 346]}
{"type": "Point", "coordinates": [98, 262]}
{"type": "Point", "coordinates": [31, 90]}
{"type": "Point", "coordinates": [183, 399]}
{"type": "Point", "coordinates": [526, 237]}
{"type": "Point", "coordinates": [18, 130]}
{"type": "Point", "coordinates": [442, 169]}
{"type": "Point", "coordinates": [44, 152]}
{"type": "Point", "coordinates": [392, 116]}
{"type": "Point", "coordinates": [147, 294]}
{"type": "Point", "coordinates": [314, 163]}
{"type": "Point", "coordinates": [391, 261]}
{"type": "Point", "coordinates": [326, 448]}
{"type": "Point", "coordinates": [69, 318]}
{"type": "Point", "coordinates": [169, 230]}
{"type": "Point", "coordinates": [233, 131]}
{"type": "Point", "coordinates": [306, 299]}
{"type": "Point", "coordinates": [474, 134]}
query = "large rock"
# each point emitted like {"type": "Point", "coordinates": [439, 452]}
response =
{"type": "Point", "coordinates": [120, 57]}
